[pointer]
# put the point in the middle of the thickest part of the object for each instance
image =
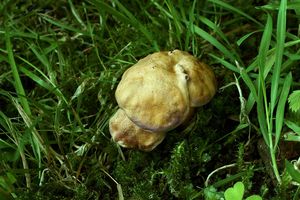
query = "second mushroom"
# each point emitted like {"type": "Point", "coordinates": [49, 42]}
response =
{"type": "Point", "coordinates": [156, 95]}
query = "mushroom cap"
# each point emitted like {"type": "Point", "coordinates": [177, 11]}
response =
{"type": "Point", "coordinates": [157, 92]}
{"type": "Point", "coordinates": [202, 84]}
{"type": "Point", "coordinates": [154, 93]}
{"type": "Point", "coordinates": [127, 134]}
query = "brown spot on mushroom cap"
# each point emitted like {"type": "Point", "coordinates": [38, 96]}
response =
{"type": "Point", "coordinates": [127, 134]}
{"type": "Point", "coordinates": [154, 93]}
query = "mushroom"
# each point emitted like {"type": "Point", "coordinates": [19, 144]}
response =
{"type": "Point", "coordinates": [157, 94]}
{"type": "Point", "coordinates": [129, 135]}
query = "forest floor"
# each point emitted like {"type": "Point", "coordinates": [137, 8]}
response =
{"type": "Point", "coordinates": [62, 60]}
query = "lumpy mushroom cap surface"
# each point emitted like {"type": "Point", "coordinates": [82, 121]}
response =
{"type": "Point", "coordinates": [154, 93]}
{"type": "Point", "coordinates": [157, 92]}
{"type": "Point", "coordinates": [127, 134]}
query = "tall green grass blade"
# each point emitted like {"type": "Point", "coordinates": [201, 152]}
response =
{"type": "Point", "coordinates": [41, 56]}
{"type": "Point", "coordinates": [269, 64]}
{"type": "Point", "coordinates": [126, 17]}
{"type": "Point", "coordinates": [271, 52]}
{"type": "Point", "coordinates": [103, 7]}
{"type": "Point", "coordinates": [176, 21]}
{"type": "Point", "coordinates": [208, 37]}
{"type": "Point", "coordinates": [75, 13]}
{"type": "Point", "coordinates": [293, 126]}
{"type": "Point", "coordinates": [138, 24]}
{"type": "Point", "coordinates": [281, 107]}
{"type": "Point", "coordinates": [31, 35]}
{"type": "Point", "coordinates": [261, 114]}
{"type": "Point", "coordinates": [35, 138]}
{"type": "Point", "coordinates": [182, 8]}
{"type": "Point", "coordinates": [292, 5]}
{"type": "Point", "coordinates": [62, 25]}
{"type": "Point", "coordinates": [225, 63]}
{"type": "Point", "coordinates": [52, 47]}
{"type": "Point", "coordinates": [280, 38]}
{"type": "Point", "coordinates": [292, 137]}
{"type": "Point", "coordinates": [17, 84]}
{"type": "Point", "coordinates": [229, 179]}
{"type": "Point", "coordinates": [38, 80]}
{"type": "Point", "coordinates": [295, 174]}
{"type": "Point", "coordinates": [245, 37]}
{"type": "Point", "coordinates": [250, 103]}
{"type": "Point", "coordinates": [214, 27]}
{"type": "Point", "coordinates": [62, 63]}
{"type": "Point", "coordinates": [264, 46]}
{"type": "Point", "coordinates": [190, 39]}
{"type": "Point", "coordinates": [249, 83]}
{"type": "Point", "coordinates": [162, 9]}
{"type": "Point", "coordinates": [222, 4]}
{"type": "Point", "coordinates": [46, 83]}
{"type": "Point", "coordinates": [212, 40]}
{"type": "Point", "coordinates": [262, 100]}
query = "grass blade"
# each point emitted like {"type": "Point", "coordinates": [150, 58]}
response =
{"type": "Point", "coordinates": [214, 27]}
{"type": "Point", "coordinates": [62, 25]}
{"type": "Point", "coordinates": [235, 10]}
{"type": "Point", "coordinates": [225, 63]}
{"type": "Point", "coordinates": [206, 36]}
{"type": "Point", "coordinates": [137, 24]}
{"type": "Point", "coordinates": [250, 103]}
{"type": "Point", "coordinates": [127, 17]}
{"type": "Point", "coordinates": [75, 13]}
{"type": "Point", "coordinates": [38, 80]}
{"type": "Point", "coordinates": [249, 83]}
{"type": "Point", "coordinates": [31, 35]}
{"type": "Point", "coordinates": [176, 21]}
{"type": "Point", "coordinates": [261, 114]}
{"type": "Point", "coordinates": [41, 57]}
{"type": "Point", "coordinates": [280, 38]}
{"type": "Point", "coordinates": [264, 46]}
{"type": "Point", "coordinates": [48, 84]}
{"type": "Point", "coordinates": [18, 84]}
{"type": "Point", "coordinates": [293, 126]}
{"type": "Point", "coordinates": [190, 30]}
{"type": "Point", "coordinates": [295, 174]}
{"type": "Point", "coordinates": [245, 37]}
{"type": "Point", "coordinates": [281, 106]}
{"type": "Point", "coordinates": [262, 102]}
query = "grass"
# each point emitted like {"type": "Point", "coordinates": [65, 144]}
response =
{"type": "Point", "coordinates": [61, 62]}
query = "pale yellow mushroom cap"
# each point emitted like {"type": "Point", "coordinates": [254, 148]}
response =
{"type": "Point", "coordinates": [154, 93]}
{"type": "Point", "coordinates": [127, 134]}
{"type": "Point", "coordinates": [157, 92]}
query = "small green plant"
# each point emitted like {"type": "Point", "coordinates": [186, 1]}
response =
{"type": "Point", "coordinates": [293, 170]}
{"type": "Point", "coordinates": [295, 135]}
{"type": "Point", "coordinates": [237, 192]}
{"type": "Point", "coordinates": [294, 101]}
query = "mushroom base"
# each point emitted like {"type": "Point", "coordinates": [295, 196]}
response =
{"type": "Point", "coordinates": [129, 135]}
